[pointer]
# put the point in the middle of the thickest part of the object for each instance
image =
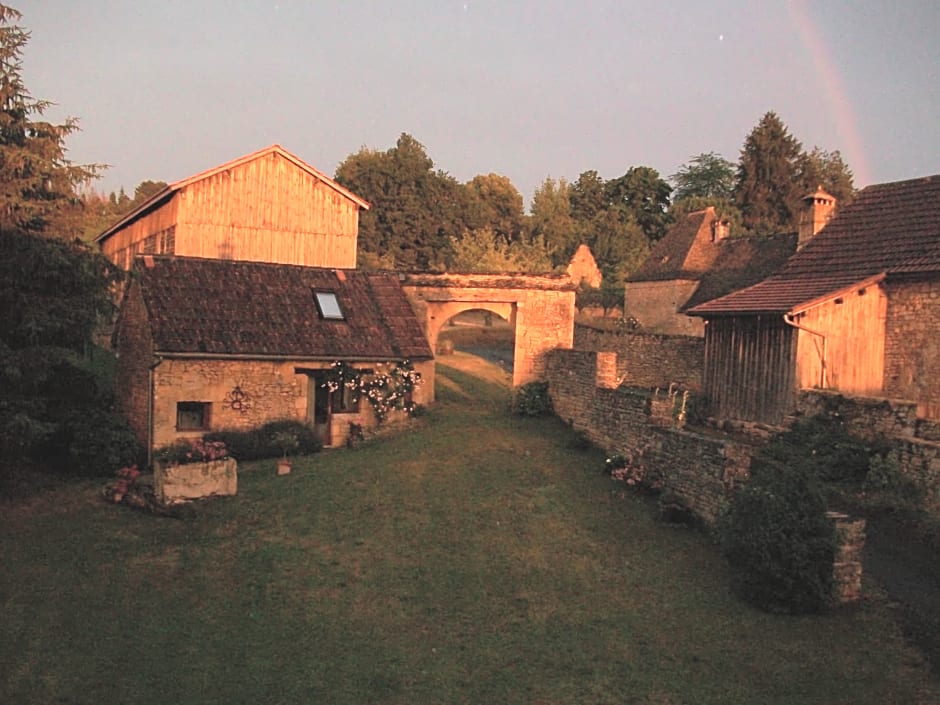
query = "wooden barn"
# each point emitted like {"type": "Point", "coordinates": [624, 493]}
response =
{"type": "Point", "coordinates": [268, 206]}
{"type": "Point", "coordinates": [208, 344]}
{"type": "Point", "coordinates": [856, 309]}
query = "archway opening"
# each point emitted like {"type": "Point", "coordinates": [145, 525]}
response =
{"type": "Point", "coordinates": [480, 332]}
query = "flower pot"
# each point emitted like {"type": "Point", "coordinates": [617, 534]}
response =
{"type": "Point", "coordinates": [283, 466]}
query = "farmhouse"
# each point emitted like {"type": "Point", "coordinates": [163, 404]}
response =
{"type": "Point", "coordinates": [697, 261]}
{"type": "Point", "coordinates": [856, 309]}
{"type": "Point", "coordinates": [268, 206]}
{"type": "Point", "coordinates": [207, 344]}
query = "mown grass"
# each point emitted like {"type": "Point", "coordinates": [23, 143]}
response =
{"type": "Point", "coordinates": [480, 559]}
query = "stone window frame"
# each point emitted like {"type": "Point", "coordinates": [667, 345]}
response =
{"type": "Point", "coordinates": [186, 415]}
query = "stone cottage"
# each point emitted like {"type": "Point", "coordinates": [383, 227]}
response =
{"type": "Point", "coordinates": [205, 344]}
{"type": "Point", "coordinates": [694, 262]}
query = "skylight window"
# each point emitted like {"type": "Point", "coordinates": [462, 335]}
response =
{"type": "Point", "coordinates": [328, 306]}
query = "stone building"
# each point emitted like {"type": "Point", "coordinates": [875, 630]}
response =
{"type": "Point", "coordinates": [206, 344]}
{"type": "Point", "coordinates": [856, 309]}
{"type": "Point", "coordinates": [697, 261]}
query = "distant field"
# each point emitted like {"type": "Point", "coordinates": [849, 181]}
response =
{"type": "Point", "coordinates": [481, 558]}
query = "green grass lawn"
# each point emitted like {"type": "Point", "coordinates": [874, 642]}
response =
{"type": "Point", "coordinates": [480, 559]}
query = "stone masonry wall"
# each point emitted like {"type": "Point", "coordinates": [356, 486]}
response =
{"type": "Point", "coordinates": [274, 391]}
{"type": "Point", "coordinates": [912, 355]}
{"type": "Point", "coordinates": [915, 441]}
{"type": "Point", "coordinates": [697, 470]}
{"type": "Point", "coordinates": [648, 360]}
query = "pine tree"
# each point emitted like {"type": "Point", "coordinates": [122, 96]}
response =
{"type": "Point", "coordinates": [769, 185]}
{"type": "Point", "coordinates": [36, 179]}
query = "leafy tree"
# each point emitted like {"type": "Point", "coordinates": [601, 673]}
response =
{"type": "Point", "coordinates": [415, 209]}
{"type": "Point", "coordinates": [550, 219]}
{"type": "Point", "coordinates": [588, 196]}
{"type": "Point", "coordinates": [493, 202]}
{"type": "Point", "coordinates": [36, 176]}
{"type": "Point", "coordinates": [769, 185]}
{"type": "Point", "coordinates": [827, 169]}
{"type": "Point", "coordinates": [643, 195]}
{"type": "Point", "coordinates": [485, 252]}
{"type": "Point", "coordinates": [618, 243]}
{"type": "Point", "coordinates": [708, 175]}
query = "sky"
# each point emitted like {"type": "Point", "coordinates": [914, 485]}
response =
{"type": "Point", "coordinates": [530, 90]}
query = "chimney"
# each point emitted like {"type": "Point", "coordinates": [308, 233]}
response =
{"type": "Point", "coordinates": [818, 208]}
{"type": "Point", "coordinates": [720, 229]}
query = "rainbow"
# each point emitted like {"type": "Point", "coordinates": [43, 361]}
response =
{"type": "Point", "coordinates": [838, 102]}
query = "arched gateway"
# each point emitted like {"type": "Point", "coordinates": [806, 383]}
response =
{"type": "Point", "coordinates": [539, 307]}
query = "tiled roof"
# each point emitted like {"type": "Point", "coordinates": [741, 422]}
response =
{"type": "Point", "coordinates": [668, 258]}
{"type": "Point", "coordinates": [223, 307]}
{"type": "Point", "coordinates": [889, 228]}
{"type": "Point", "coordinates": [741, 262]}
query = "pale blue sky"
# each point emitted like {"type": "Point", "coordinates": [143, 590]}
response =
{"type": "Point", "coordinates": [525, 89]}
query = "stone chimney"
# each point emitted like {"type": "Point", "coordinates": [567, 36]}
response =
{"type": "Point", "coordinates": [817, 210]}
{"type": "Point", "coordinates": [720, 229]}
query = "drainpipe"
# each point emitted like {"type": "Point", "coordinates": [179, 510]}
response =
{"type": "Point", "coordinates": [150, 369]}
{"type": "Point", "coordinates": [823, 381]}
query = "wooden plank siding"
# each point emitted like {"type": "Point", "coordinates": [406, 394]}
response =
{"type": "Point", "coordinates": [267, 210]}
{"type": "Point", "coordinates": [749, 368]}
{"type": "Point", "coordinates": [854, 329]}
{"type": "Point", "coordinates": [121, 247]}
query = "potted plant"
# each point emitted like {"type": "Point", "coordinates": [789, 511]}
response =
{"type": "Point", "coordinates": [286, 441]}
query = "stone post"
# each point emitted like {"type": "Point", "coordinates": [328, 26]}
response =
{"type": "Point", "coordinates": [847, 562]}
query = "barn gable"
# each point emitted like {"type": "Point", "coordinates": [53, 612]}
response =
{"type": "Point", "coordinates": [268, 206]}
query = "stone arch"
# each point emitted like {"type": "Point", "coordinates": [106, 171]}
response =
{"type": "Point", "coordinates": [539, 307]}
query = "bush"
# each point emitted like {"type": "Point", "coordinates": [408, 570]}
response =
{"type": "Point", "coordinates": [260, 442]}
{"type": "Point", "coordinates": [532, 400]}
{"type": "Point", "coordinates": [778, 540]}
{"type": "Point", "coordinates": [96, 443]}
{"type": "Point", "coordinates": [823, 447]}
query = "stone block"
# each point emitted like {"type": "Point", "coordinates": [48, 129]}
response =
{"type": "Point", "coordinates": [174, 484]}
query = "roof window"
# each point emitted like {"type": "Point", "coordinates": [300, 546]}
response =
{"type": "Point", "coordinates": [328, 306]}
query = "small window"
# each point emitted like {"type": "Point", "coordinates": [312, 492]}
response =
{"type": "Point", "coordinates": [328, 306]}
{"type": "Point", "coordinates": [344, 401]}
{"type": "Point", "coordinates": [192, 415]}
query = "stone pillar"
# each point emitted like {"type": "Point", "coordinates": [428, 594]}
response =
{"type": "Point", "coordinates": [606, 373]}
{"type": "Point", "coordinates": [847, 562]}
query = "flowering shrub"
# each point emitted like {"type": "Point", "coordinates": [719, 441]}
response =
{"type": "Point", "coordinates": [631, 469]}
{"type": "Point", "coordinates": [126, 482]}
{"type": "Point", "coordinates": [387, 389]}
{"type": "Point", "coordinates": [191, 450]}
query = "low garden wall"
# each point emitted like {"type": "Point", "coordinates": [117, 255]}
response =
{"type": "Point", "coordinates": [647, 359]}
{"type": "Point", "coordinates": [178, 483]}
{"type": "Point", "coordinates": [915, 442]}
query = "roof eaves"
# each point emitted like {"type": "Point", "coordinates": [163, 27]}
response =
{"type": "Point", "coordinates": [835, 294]}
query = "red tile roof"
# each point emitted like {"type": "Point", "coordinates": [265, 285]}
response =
{"type": "Point", "coordinates": [888, 229]}
{"type": "Point", "coordinates": [223, 307]}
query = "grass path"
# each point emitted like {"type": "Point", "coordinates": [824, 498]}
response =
{"type": "Point", "coordinates": [481, 559]}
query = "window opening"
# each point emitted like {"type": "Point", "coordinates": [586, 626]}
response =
{"type": "Point", "coordinates": [328, 306]}
{"type": "Point", "coordinates": [192, 415]}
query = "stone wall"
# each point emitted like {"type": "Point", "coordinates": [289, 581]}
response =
{"type": "Point", "coordinates": [915, 441]}
{"type": "Point", "coordinates": [912, 355]}
{"type": "Point", "coordinates": [648, 360]}
{"type": "Point", "coordinates": [696, 469]}
{"type": "Point", "coordinates": [272, 390]}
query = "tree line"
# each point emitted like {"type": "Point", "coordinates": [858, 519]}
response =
{"type": "Point", "coordinates": [424, 219]}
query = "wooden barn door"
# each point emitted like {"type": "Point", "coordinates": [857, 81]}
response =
{"type": "Point", "coordinates": [318, 406]}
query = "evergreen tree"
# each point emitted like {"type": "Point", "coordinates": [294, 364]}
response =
{"type": "Point", "coordinates": [827, 169]}
{"type": "Point", "coordinates": [769, 185]}
{"type": "Point", "coordinates": [36, 178]}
